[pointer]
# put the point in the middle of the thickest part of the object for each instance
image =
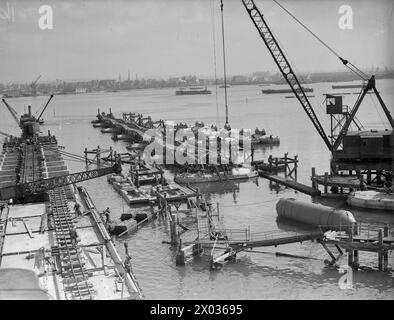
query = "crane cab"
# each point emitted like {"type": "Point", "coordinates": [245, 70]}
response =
{"type": "Point", "coordinates": [367, 149]}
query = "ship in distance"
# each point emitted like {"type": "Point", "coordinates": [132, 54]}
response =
{"type": "Point", "coordinates": [272, 91]}
{"type": "Point", "coordinates": [192, 91]}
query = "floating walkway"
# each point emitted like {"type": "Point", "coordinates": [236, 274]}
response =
{"type": "Point", "coordinates": [291, 184]}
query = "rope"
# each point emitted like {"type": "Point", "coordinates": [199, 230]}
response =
{"type": "Point", "coordinates": [353, 68]}
{"type": "Point", "coordinates": [245, 204]}
{"type": "Point", "coordinates": [224, 63]}
{"type": "Point", "coordinates": [214, 61]}
{"type": "Point", "coordinates": [377, 110]}
{"type": "Point", "coordinates": [71, 155]}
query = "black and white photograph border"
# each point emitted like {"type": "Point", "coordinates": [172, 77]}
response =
{"type": "Point", "coordinates": [216, 150]}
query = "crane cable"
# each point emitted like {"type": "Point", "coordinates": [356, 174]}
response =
{"type": "Point", "coordinates": [70, 155]}
{"type": "Point", "coordinates": [352, 67]}
{"type": "Point", "coordinates": [214, 61]}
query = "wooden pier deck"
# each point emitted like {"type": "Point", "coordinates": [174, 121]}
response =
{"type": "Point", "coordinates": [290, 183]}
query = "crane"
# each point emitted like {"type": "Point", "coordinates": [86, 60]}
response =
{"type": "Point", "coordinates": [33, 86]}
{"type": "Point", "coordinates": [6, 134]}
{"type": "Point", "coordinates": [24, 190]}
{"type": "Point", "coordinates": [13, 113]}
{"type": "Point", "coordinates": [46, 105]}
{"type": "Point", "coordinates": [292, 80]}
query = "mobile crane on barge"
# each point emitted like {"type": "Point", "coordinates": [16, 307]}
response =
{"type": "Point", "coordinates": [368, 152]}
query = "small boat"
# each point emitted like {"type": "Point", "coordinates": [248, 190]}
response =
{"type": "Point", "coordinates": [172, 192]}
{"type": "Point", "coordinates": [99, 125]}
{"type": "Point", "coordinates": [236, 174]}
{"type": "Point", "coordinates": [224, 86]}
{"type": "Point", "coordinates": [121, 137]}
{"type": "Point", "coordinates": [372, 199]}
{"type": "Point", "coordinates": [270, 140]}
{"type": "Point", "coordinates": [128, 222]}
{"type": "Point", "coordinates": [133, 195]}
{"type": "Point", "coordinates": [108, 130]}
{"type": "Point", "coordinates": [259, 139]}
{"type": "Point", "coordinates": [192, 91]}
{"type": "Point", "coordinates": [118, 178]}
{"type": "Point", "coordinates": [134, 146]}
{"type": "Point", "coordinates": [272, 91]}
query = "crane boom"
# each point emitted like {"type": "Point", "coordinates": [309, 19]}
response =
{"type": "Point", "coordinates": [6, 134]}
{"type": "Point", "coordinates": [46, 105]}
{"type": "Point", "coordinates": [284, 66]}
{"type": "Point", "coordinates": [35, 81]}
{"type": "Point", "coordinates": [13, 113]}
{"type": "Point", "coordinates": [40, 186]}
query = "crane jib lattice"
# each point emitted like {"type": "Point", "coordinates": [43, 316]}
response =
{"type": "Point", "coordinates": [283, 65]}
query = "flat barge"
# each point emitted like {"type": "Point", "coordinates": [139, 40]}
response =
{"type": "Point", "coordinates": [273, 91]}
{"type": "Point", "coordinates": [56, 238]}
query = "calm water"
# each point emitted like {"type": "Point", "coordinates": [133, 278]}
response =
{"type": "Point", "coordinates": [252, 203]}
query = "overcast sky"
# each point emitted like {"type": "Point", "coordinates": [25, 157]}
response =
{"type": "Point", "coordinates": [100, 39]}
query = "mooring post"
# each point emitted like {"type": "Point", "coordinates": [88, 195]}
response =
{"type": "Point", "coordinates": [98, 155]}
{"type": "Point", "coordinates": [180, 257]}
{"type": "Point", "coordinates": [295, 167]}
{"type": "Point", "coordinates": [86, 156]}
{"type": "Point", "coordinates": [159, 206]}
{"type": "Point", "coordinates": [355, 259]}
{"type": "Point", "coordinates": [380, 252]}
{"type": "Point", "coordinates": [313, 178]}
{"type": "Point", "coordinates": [286, 165]}
{"type": "Point", "coordinates": [361, 179]}
{"type": "Point", "coordinates": [369, 177]}
{"type": "Point", "coordinates": [325, 182]}
{"type": "Point", "coordinates": [174, 234]}
{"type": "Point", "coordinates": [161, 176]}
{"type": "Point", "coordinates": [137, 178]}
{"type": "Point", "coordinates": [165, 204]}
{"type": "Point", "coordinates": [350, 251]}
{"type": "Point", "coordinates": [110, 154]}
{"type": "Point", "coordinates": [386, 230]}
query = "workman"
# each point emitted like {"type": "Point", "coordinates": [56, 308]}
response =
{"type": "Point", "coordinates": [77, 209]}
{"type": "Point", "coordinates": [73, 236]}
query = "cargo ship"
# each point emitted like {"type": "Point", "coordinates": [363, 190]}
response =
{"type": "Point", "coordinates": [192, 91]}
{"type": "Point", "coordinates": [273, 91]}
{"type": "Point", "coordinates": [54, 244]}
{"type": "Point", "coordinates": [347, 86]}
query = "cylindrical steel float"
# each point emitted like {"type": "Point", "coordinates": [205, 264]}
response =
{"type": "Point", "coordinates": [314, 214]}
